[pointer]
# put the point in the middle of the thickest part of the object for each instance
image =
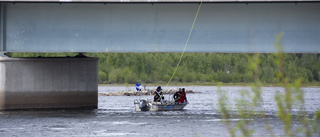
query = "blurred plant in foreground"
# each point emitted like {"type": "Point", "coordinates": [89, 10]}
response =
{"type": "Point", "coordinates": [249, 104]}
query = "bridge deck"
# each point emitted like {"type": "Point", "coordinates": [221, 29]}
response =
{"type": "Point", "coordinates": [144, 27]}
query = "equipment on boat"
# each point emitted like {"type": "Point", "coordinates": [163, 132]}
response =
{"type": "Point", "coordinates": [143, 105]}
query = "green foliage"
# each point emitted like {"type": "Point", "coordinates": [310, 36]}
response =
{"type": "Point", "coordinates": [102, 77]}
{"type": "Point", "coordinates": [289, 75]}
{"type": "Point", "coordinates": [199, 67]}
{"type": "Point", "coordinates": [225, 110]}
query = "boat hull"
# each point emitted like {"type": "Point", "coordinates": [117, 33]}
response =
{"type": "Point", "coordinates": [160, 106]}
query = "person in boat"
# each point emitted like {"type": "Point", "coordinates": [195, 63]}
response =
{"type": "Point", "coordinates": [177, 95]}
{"type": "Point", "coordinates": [184, 95]}
{"type": "Point", "coordinates": [158, 94]}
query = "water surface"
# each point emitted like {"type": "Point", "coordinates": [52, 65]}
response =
{"type": "Point", "coordinates": [115, 116]}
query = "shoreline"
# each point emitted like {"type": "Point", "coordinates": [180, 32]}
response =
{"type": "Point", "coordinates": [314, 85]}
{"type": "Point", "coordinates": [143, 92]}
{"type": "Point", "coordinates": [174, 88]}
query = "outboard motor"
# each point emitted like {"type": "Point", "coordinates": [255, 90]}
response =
{"type": "Point", "coordinates": [143, 105]}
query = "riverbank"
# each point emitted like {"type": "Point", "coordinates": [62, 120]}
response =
{"type": "Point", "coordinates": [315, 84]}
{"type": "Point", "coordinates": [143, 92]}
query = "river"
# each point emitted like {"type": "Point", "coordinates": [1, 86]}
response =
{"type": "Point", "coordinates": [116, 116]}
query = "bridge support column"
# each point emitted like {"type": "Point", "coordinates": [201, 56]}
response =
{"type": "Point", "coordinates": [48, 83]}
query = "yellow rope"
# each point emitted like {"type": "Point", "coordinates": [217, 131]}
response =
{"type": "Point", "coordinates": [185, 46]}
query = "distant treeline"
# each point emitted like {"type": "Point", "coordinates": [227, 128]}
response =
{"type": "Point", "coordinates": [197, 67]}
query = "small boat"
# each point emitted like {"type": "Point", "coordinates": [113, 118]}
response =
{"type": "Point", "coordinates": [161, 105]}
{"type": "Point", "coordinates": [164, 105]}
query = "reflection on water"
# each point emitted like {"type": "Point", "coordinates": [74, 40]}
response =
{"type": "Point", "coordinates": [116, 117]}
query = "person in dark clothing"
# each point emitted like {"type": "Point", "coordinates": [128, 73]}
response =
{"type": "Point", "coordinates": [158, 94]}
{"type": "Point", "coordinates": [177, 95]}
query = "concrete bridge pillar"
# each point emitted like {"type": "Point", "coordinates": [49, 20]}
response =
{"type": "Point", "coordinates": [48, 83]}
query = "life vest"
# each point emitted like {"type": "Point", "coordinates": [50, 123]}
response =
{"type": "Point", "coordinates": [178, 96]}
{"type": "Point", "coordinates": [157, 95]}
{"type": "Point", "coordinates": [183, 97]}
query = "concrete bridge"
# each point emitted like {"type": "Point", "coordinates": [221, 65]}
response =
{"type": "Point", "coordinates": [133, 26]}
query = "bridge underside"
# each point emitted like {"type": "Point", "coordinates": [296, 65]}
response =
{"type": "Point", "coordinates": [159, 27]}
{"type": "Point", "coordinates": [48, 83]}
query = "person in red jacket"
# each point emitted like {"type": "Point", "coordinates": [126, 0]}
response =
{"type": "Point", "coordinates": [181, 96]}
{"type": "Point", "coordinates": [184, 95]}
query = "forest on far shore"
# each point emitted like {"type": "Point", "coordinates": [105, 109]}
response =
{"type": "Point", "coordinates": [120, 68]}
